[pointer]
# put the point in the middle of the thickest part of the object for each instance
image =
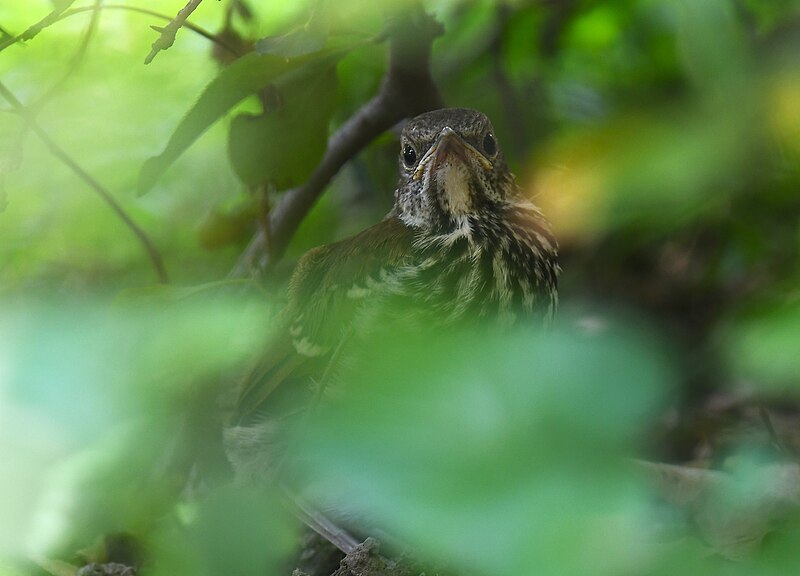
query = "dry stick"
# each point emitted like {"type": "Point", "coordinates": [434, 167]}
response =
{"type": "Point", "coordinates": [407, 89]}
{"type": "Point", "coordinates": [167, 36]}
{"type": "Point", "coordinates": [58, 152]}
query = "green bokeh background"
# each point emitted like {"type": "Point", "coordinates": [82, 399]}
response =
{"type": "Point", "coordinates": [662, 137]}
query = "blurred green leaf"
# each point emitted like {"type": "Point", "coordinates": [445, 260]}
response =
{"type": "Point", "coordinates": [766, 15]}
{"type": "Point", "coordinates": [764, 347]}
{"type": "Point", "coordinates": [56, 567]}
{"type": "Point", "coordinates": [119, 484]}
{"type": "Point", "coordinates": [30, 444]}
{"type": "Point", "coordinates": [496, 453]}
{"type": "Point", "coordinates": [243, 77]}
{"type": "Point", "coordinates": [95, 399]}
{"type": "Point", "coordinates": [166, 293]}
{"type": "Point", "coordinates": [293, 44]}
{"type": "Point", "coordinates": [598, 28]}
{"type": "Point", "coordinates": [283, 145]}
{"type": "Point", "coordinates": [235, 530]}
{"type": "Point", "coordinates": [223, 227]}
{"type": "Point", "coordinates": [665, 174]}
{"type": "Point", "coordinates": [780, 554]}
{"type": "Point", "coordinates": [711, 39]}
{"type": "Point", "coordinates": [80, 362]}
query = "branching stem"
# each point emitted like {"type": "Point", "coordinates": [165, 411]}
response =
{"type": "Point", "coordinates": [167, 34]}
{"type": "Point", "coordinates": [73, 11]}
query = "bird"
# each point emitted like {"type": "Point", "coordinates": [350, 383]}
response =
{"type": "Point", "coordinates": [461, 245]}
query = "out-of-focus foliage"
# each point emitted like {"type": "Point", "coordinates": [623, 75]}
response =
{"type": "Point", "coordinates": [661, 137]}
{"type": "Point", "coordinates": [764, 348]}
{"type": "Point", "coordinates": [233, 531]}
{"type": "Point", "coordinates": [92, 394]}
{"type": "Point", "coordinates": [265, 148]}
{"type": "Point", "coordinates": [495, 454]}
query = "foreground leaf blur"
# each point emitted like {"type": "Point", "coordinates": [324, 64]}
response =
{"type": "Point", "coordinates": [654, 429]}
{"type": "Point", "coordinates": [498, 452]}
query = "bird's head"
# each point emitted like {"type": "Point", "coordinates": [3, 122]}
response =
{"type": "Point", "coordinates": [451, 168]}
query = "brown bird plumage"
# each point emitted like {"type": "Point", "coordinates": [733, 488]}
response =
{"type": "Point", "coordinates": [461, 244]}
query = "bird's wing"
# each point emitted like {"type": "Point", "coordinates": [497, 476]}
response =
{"type": "Point", "coordinates": [328, 288]}
{"type": "Point", "coordinates": [331, 283]}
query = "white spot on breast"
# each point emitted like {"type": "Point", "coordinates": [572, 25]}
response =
{"type": "Point", "coordinates": [305, 347]}
{"type": "Point", "coordinates": [356, 292]}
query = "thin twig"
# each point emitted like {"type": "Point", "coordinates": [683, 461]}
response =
{"type": "Point", "coordinates": [58, 152]}
{"type": "Point", "coordinates": [32, 31]}
{"type": "Point", "coordinates": [168, 32]}
{"type": "Point", "coordinates": [72, 12]}
{"type": "Point", "coordinates": [407, 90]}
{"type": "Point", "coordinates": [318, 522]}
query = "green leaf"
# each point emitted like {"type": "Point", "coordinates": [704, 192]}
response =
{"type": "Point", "coordinates": [242, 78]}
{"type": "Point", "coordinates": [763, 348]}
{"type": "Point", "coordinates": [495, 453]}
{"type": "Point", "coordinates": [711, 41]}
{"type": "Point", "coordinates": [223, 227]}
{"type": "Point", "coordinates": [296, 43]}
{"type": "Point", "coordinates": [94, 400]}
{"type": "Point", "coordinates": [283, 145]}
{"type": "Point", "coordinates": [236, 530]}
{"type": "Point", "coordinates": [168, 293]}
{"type": "Point", "coordinates": [87, 366]}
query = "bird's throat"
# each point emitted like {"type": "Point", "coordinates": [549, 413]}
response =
{"type": "Point", "coordinates": [453, 185]}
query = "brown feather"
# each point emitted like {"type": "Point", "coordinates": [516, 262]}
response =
{"type": "Point", "coordinates": [320, 309]}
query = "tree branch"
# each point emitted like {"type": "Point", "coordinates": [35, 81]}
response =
{"type": "Point", "coordinates": [58, 152]}
{"type": "Point", "coordinates": [407, 89]}
{"type": "Point", "coordinates": [168, 32]}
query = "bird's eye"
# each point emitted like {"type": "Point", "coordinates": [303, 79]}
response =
{"type": "Point", "coordinates": [409, 155]}
{"type": "Point", "coordinates": [489, 144]}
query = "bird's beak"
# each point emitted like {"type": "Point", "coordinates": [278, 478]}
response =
{"type": "Point", "coordinates": [450, 146]}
